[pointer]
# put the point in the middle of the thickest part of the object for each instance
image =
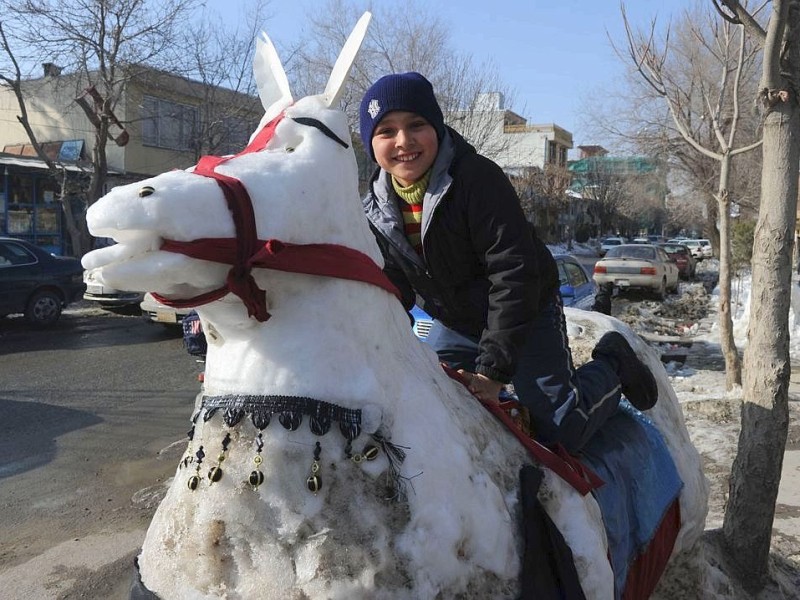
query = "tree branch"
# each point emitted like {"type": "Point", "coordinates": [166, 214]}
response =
{"type": "Point", "coordinates": [740, 16]}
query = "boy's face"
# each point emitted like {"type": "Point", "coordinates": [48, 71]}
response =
{"type": "Point", "coordinates": [405, 145]}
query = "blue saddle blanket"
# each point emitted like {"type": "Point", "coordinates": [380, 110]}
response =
{"type": "Point", "coordinates": [641, 482]}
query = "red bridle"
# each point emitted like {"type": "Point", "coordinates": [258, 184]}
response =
{"type": "Point", "coordinates": [246, 251]}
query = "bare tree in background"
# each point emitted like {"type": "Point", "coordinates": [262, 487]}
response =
{"type": "Point", "coordinates": [410, 40]}
{"type": "Point", "coordinates": [706, 113]}
{"type": "Point", "coordinates": [602, 183]}
{"type": "Point", "coordinates": [643, 199]}
{"type": "Point", "coordinates": [756, 471]}
{"type": "Point", "coordinates": [681, 215]}
{"type": "Point", "coordinates": [633, 119]}
{"type": "Point", "coordinates": [99, 40]}
{"type": "Point", "coordinates": [542, 194]}
{"type": "Point", "coordinates": [221, 58]}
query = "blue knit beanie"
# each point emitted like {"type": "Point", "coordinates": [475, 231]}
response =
{"type": "Point", "coordinates": [401, 91]}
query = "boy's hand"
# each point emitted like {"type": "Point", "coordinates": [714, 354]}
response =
{"type": "Point", "coordinates": [484, 389]}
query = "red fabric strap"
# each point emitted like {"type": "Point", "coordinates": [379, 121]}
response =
{"type": "Point", "coordinates": [569, 468]}
{"type": "Point", "coordinates": [327, 260]}
{"type": "Point", "coordinates": [239, 281]}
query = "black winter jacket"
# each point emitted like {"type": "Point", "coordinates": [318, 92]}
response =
{"type": "Point", "coordinates": [484, 272]}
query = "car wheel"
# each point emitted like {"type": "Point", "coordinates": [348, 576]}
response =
{"type": "Point", "coordinates": [44, 308]}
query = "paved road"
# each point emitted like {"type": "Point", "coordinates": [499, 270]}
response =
{"type": "Point", "coordinates": [93, 414]}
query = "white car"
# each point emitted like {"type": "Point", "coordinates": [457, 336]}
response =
{"type": "Point", "coordinates": [696, 248]}
{"type": "Point", "coordinates": [153, 310]}
{"type": "Point", "coordinates": [708, 251]}
{"type": "Point", "coordinates": [610, 242]}
{"type": "Point", "coordinates": [638, 266]}
{"type": "Point", "coordinates": [105, 296]}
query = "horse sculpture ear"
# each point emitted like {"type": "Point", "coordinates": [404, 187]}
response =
{"type": "Point", "coordinates": [273, 86]}
{"type": "Point", "coordinates": [335, 87]}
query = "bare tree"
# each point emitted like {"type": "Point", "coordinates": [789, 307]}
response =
{"type": "Point", "coordinates": [542, 194]}
{"type": "Point", "coordinates": [682, 214]}
{"type": "Point", "coordinates": [688, 92]}
{"type": "Point", "coordinates": [602, 183]}
{"type": "Point", "coordinates": [634, 119]}
{"type": "Point", "coordinates": [220, 59]}
{"type": "Point", "coordinates": [100, 41]}
{"type": "Point", "coordinates": [411, 40]}
{"type": "Point", "coordinates": [756, 472]}
{"type": "Point", "coordinates": [643, 198]}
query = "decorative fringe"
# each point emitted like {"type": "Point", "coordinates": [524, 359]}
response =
{"type": "Point", "coordinates": [290, 411]}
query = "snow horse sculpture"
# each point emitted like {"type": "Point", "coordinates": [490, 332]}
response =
{"type": "Point", "coordinates": [330, 456]}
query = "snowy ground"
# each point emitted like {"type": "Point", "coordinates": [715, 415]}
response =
{"type": "Point", "coordinates": [684, 330]}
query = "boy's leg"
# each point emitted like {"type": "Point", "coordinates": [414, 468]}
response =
{"type": "Point", "coordinates": [566, 405]}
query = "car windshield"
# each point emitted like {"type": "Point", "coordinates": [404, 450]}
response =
{"type": "Point", "coordinates": [640, 252]}
{"type": "Point", "coordinates": [674, 249]}
{"type": "Point", "coordinates": [612, 242]}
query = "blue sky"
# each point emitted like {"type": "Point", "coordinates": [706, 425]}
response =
{"type": "Point", "coordinates": [554, 54]}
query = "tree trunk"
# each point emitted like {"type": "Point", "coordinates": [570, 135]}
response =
{"type": "Point", "coordinates": [97, 182]}
{"type": "Point", "coordinates": [712, 233]}
{"type": "Point", "coordinates": [756, 471]}
{"type": "Point", "coordinates": [733, 366]}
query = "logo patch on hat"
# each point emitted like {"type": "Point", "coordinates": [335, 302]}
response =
{"type": "Point", "coordinates": [374, 108]}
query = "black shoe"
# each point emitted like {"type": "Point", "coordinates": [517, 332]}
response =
{"type": "Point", "coordinates": [638, 384]}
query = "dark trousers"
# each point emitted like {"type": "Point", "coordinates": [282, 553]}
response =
{"type": "Point", "coordinates": [567, 405]}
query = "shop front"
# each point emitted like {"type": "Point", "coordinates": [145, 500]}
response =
{"type": "Point", "coordinates": [30, 208]}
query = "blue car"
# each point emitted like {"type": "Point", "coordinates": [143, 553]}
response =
{"type": "Point", "coordinates": [577, 290]}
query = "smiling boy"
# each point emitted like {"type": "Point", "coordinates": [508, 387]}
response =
{"type": "Point", "coordinates": [455, 240]}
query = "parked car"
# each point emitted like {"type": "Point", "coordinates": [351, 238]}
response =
{"type": "Point", "coordinates": [36, 283]}
{"type": "Point", "coordinates": [708, 250]}
{"type": "Point", "coordinates": [108, 297]}
{"type": "Point", "coordinates": [695, 248]}
{"type": "Point", "coordinates": [155, 311]}
{"type": "Point", "coordinates": [577, 290]}
{"type": "Point", "coordinates": [682, 257]}
{"type": "Point", "coordinates": [610, 242]}
{"type": "Point", "coordinates": [640, 240]}
{"type": "Point", "coordinates": [638, 266]}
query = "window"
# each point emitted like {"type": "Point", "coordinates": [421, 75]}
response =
{"type": "Point", "coordinates": [563, 278]}
{"type": "Point", "coordinates": [12, 255]}
{"type": "Point", "coordinates": [168, 124]}
{"type": "Point", "coordinates": [556, 153]}
{"type": "Point", "coordinates": [20, 190]}
{"type": "Point", "coordinates": [577, 277]}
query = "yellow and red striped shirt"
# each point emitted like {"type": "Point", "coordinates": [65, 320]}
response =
{"type": "Point", "coordinates": [411, 200]}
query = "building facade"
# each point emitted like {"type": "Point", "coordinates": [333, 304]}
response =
{"type": "Point", "coordinates": [159, 122]}
{"type": "Point", "coordinates": [508, 139]}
